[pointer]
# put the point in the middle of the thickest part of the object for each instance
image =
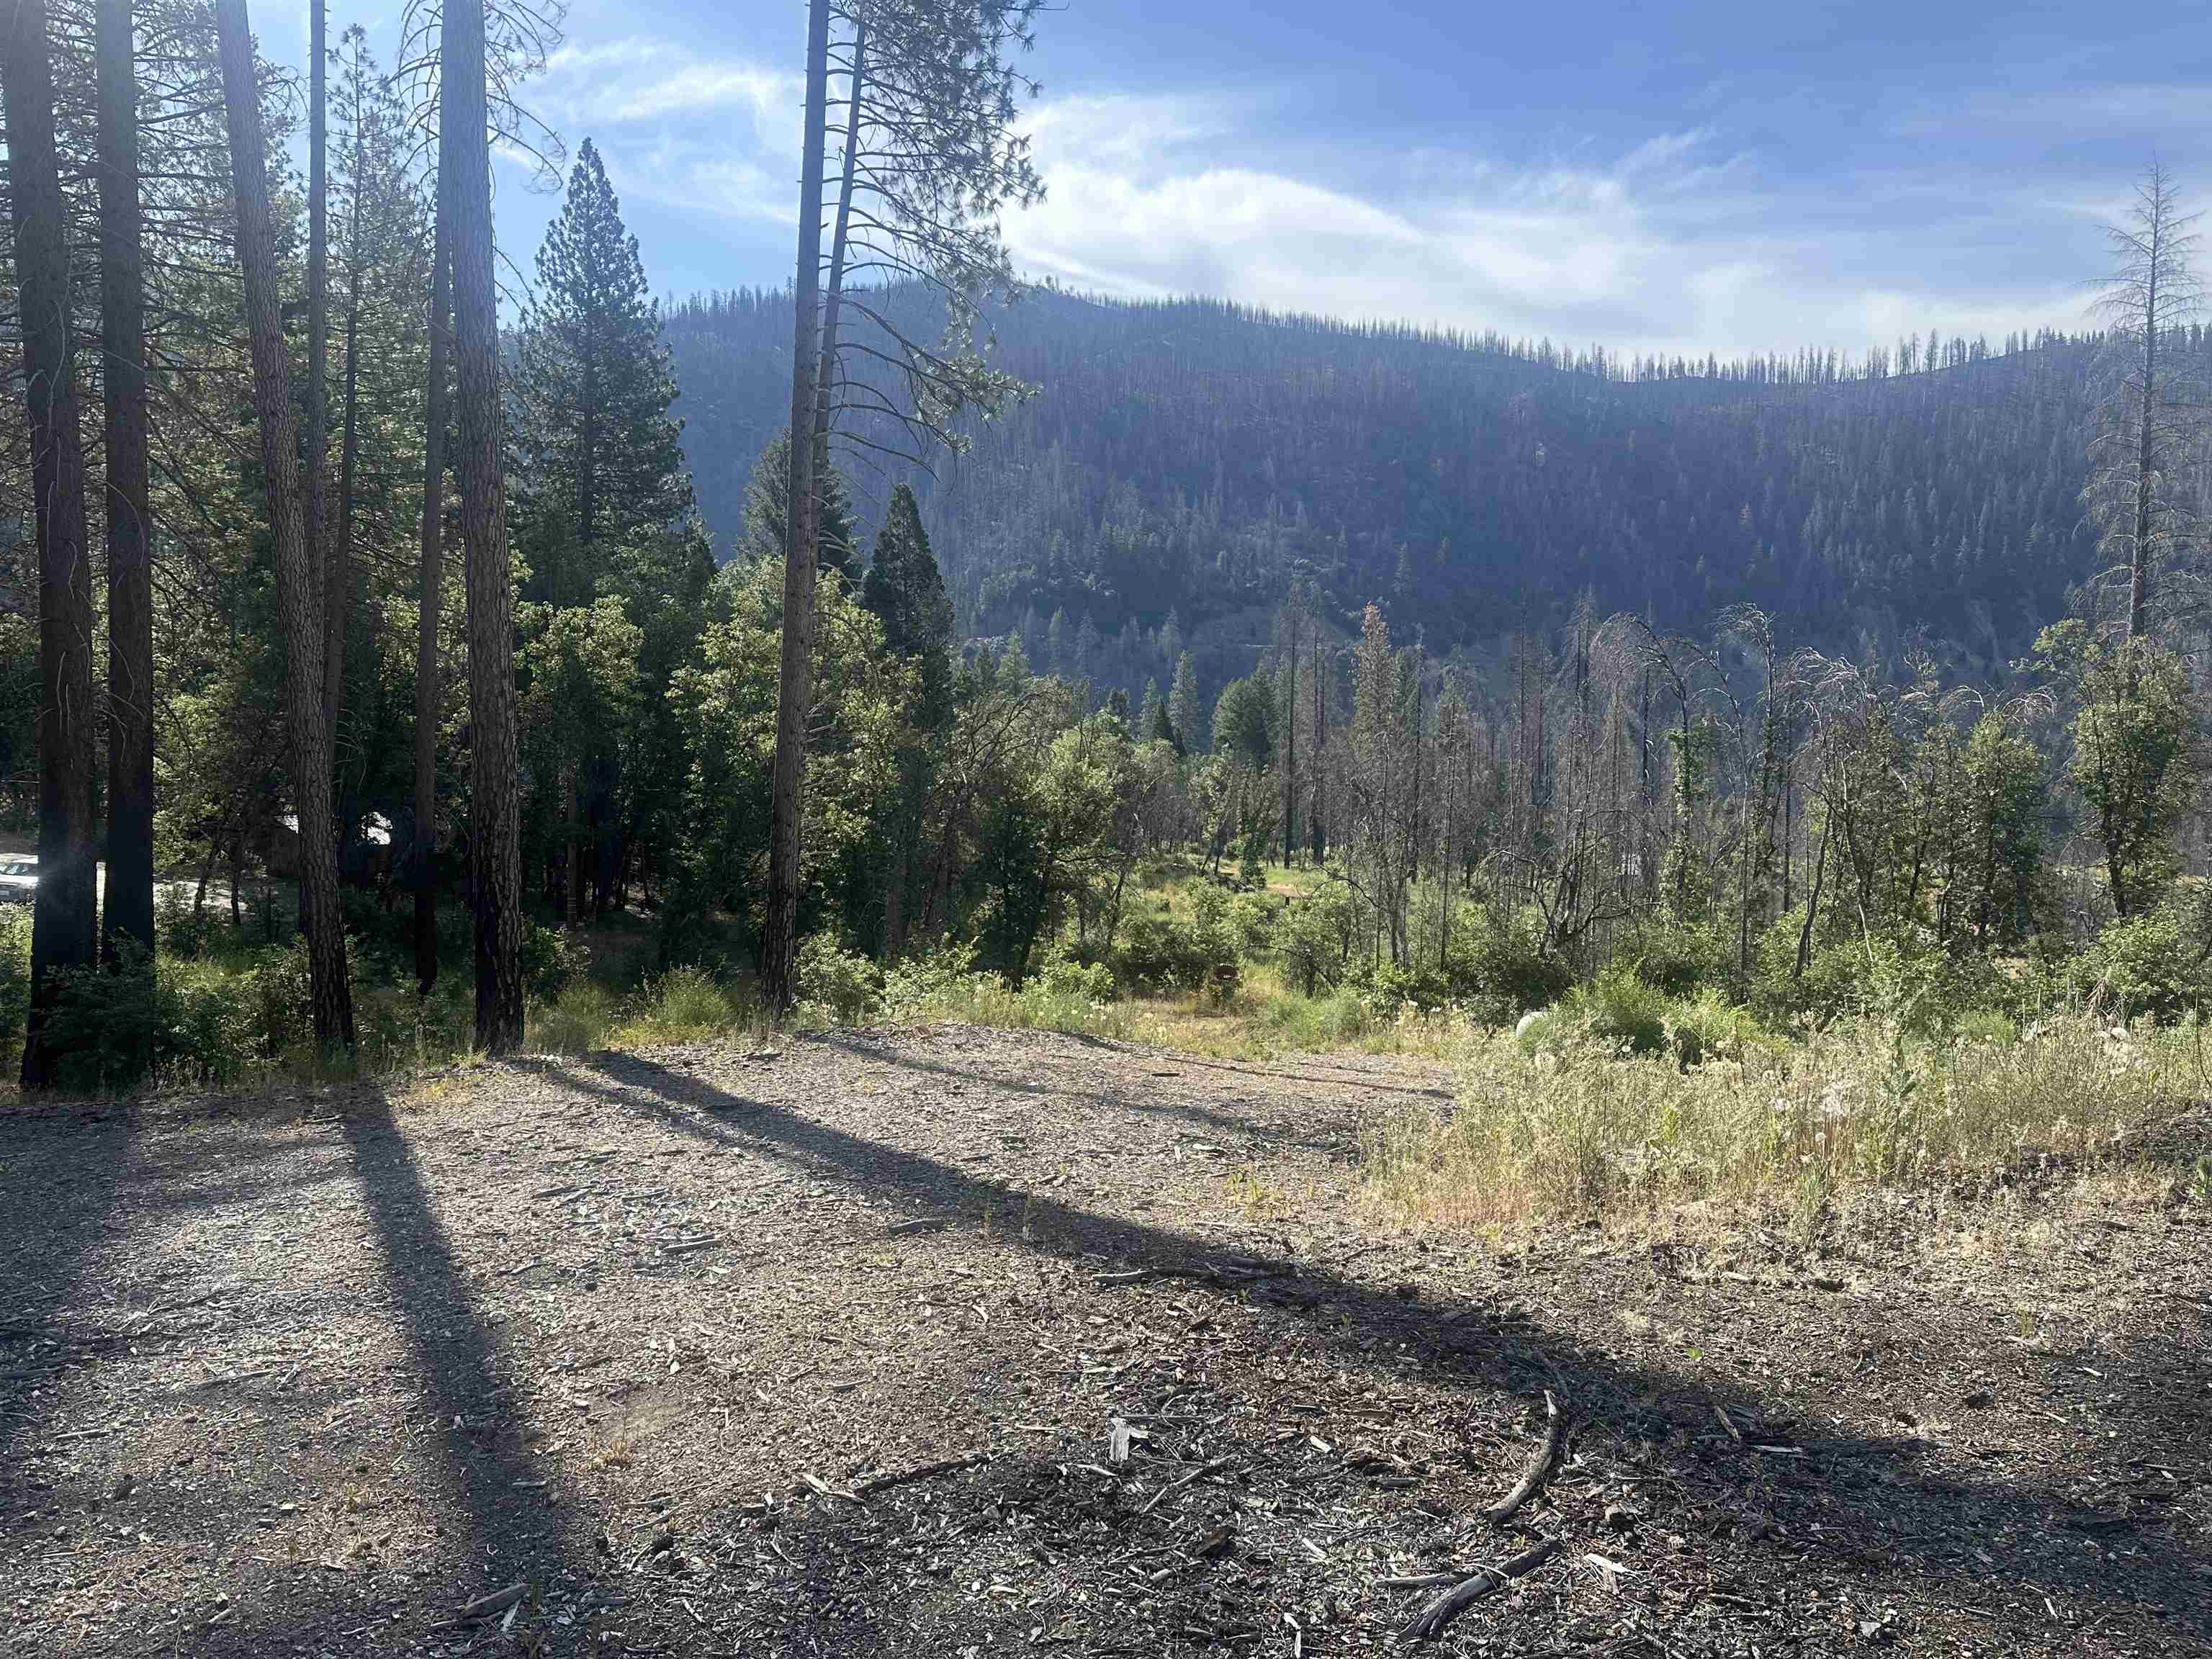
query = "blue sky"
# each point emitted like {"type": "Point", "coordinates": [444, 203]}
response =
{"type": "Point", "coordinates": [1724, 176]}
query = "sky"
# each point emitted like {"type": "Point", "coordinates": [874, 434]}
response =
{"type": "Point", "coordinates": [1732, 176]}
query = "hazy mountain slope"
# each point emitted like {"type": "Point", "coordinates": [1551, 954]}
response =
{"type": "Point", "coordinates": [1193, 458]}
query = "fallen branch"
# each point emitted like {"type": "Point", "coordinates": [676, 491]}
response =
{"type": "Point", "coordinates": [488, 1607]}
{"type": "Point", "coordinates": [1540, 1467]}
{"type": "Point", "coordinates": [1222, 1275]}
{"type": "Point", "coordinates": [1180, 1482]}
{"type": "Point", "coordinates": [920, 1472]}
{"type": "Point", "coordinates": [1429, 1623]}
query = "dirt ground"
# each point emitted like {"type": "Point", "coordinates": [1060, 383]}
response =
{"type": "Point", "coordinates": [960, 1342]}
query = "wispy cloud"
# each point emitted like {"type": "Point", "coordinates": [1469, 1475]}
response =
{"type": "Point", "coordinates": [1672, 244]}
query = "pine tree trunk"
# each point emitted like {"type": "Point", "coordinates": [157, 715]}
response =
{"type": "Point", "coordinates": [319, 301]}
{"type": "Point", "coordinates": [64, 922]}
{"type": "Point", "coordinates": [431, 578]}
{"type": "Point", "coordinates": [297, 597]}
{"type": "Point", "coordinates": [339, 595]}
{"type": "Point", "coordinates": [833, 295]}
{"type": "Point", "coordinates": [780, 932]}
{"type": "Point", "coordinates": [495, 817]}
{"type": "Point", "coordinates": [129, 910]}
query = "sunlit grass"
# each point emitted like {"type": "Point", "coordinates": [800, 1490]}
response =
{"type": "Point", "coordinates": [1577, 1130]}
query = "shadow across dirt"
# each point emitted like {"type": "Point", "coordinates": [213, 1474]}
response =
{"type": "Point", "coordinates": [59, 1179]}
{"type": "Point", "coordinates": [1860, 1506]}
{"type": "Point", "coordinates": [1225, 1123]}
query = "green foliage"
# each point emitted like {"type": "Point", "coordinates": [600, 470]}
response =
{"type": "Point", "coordinates": [1316, 937]}
{"type": "Point", "coordinates": [2134, 759]}
{"type": "Point", "coordinates": [1244, 723]}
{"type": "Point", "coordinates": [598, 449]}
{"type": "Point", "coordinates": [15, 982]}
{"type": "Point", "coordinates": [1619, 1010]}
{"type": "Point", "coordinates": [765, 535]}
{"type": "Point", "coordinates": [1500, 969]}
{"type": "Point", "coordinates": [553, 958]}
{"type": "Point", "coordinates": [1679, 959]}
{"type": "Point", "coordinates": [1064, 975]}
{"type": "Point", "coordinates": [835, 987]}
{"type": "Point", "coordinates": [2144, 966]}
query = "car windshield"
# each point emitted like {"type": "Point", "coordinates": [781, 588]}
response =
{"type": "Point", "coordinates": [18, 866]}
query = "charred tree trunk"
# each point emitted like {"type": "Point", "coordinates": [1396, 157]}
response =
{"type": "Point", "coordinates": [780, 932]}
{"type": "Point", "coordinates": [64, 921]}
{"type": "Point", "coordinates": [494, 819]}
{"type": "Point", "coordinates": [129, 910]}
{"type": "Point", "coordinates": [297, 596]}
{"type": "Point", "coordinates": [430, 579]}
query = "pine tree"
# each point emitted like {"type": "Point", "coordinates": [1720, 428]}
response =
{"type": "Point", "coordinates": [601, 461]}
{"type": "Point", "coordinates": [1152, 713]}
{"type": "Point", "coordinates": [767, 511]}
{"type": "Point", "coordinates": [903, 587]}
{"type": "Point", "coordinates": [64, 924]}
{"type": "Point", "coordinates": [1184, 710]}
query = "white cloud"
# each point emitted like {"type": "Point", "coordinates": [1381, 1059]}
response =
{"type": "Point", "coordinates": [1672, 246]}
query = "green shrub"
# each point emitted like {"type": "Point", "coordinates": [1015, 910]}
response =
{"type": "Point", "coordinates": [105, 1029]}
{"type": "Point", "coordinates": [1068, 976]}
{"type": "Point", "coordinates": [1619, 1010]}
{"type": "Point", "coordinates": [836, 986]}
{"type": "Point", "coordinates": [212, 1036]}
{"type": "Point", "coordinates": [1252, 922]}
{"type": "Point", "coordinates": [551, 958]}
{"type": "Point", "coordinates": [1500, 970]}
{"type": "Point", "coordinates": [1989, 1026]}
{"type": "Point", "coordinates": [2142, 966]}
{"type": "Point", "coordinates": [576, 1022]}
{"type": "Point", "coordinates": [1676, 957]}
{"type": "Point", "coordinates": [915, 979]}
{"type": "Point", "coordinates": [1314, 937]}
{"type": "Point", "coordinates": [1709, 1027]}
{"type": "Point", "coordinates": [1389, 986]}
{"type": "Point", "coordinates": [15, 982]}
{"type": "Point", "coordinates": [682, 1003]}
{"type": "Point", "coordinates": [1155, 952]}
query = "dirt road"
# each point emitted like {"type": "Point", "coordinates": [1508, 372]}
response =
{"type": "Point", "coordinates": [960, 1342]}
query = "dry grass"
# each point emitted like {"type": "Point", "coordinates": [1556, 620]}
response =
{"type": "Point", "coordinates": [1580, 1131]}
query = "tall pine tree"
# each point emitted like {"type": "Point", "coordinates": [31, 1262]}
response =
{"type": "Point", "coordinates": [601, 459]}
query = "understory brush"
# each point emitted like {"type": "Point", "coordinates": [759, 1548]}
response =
{"type": "Point", "coordinates": [1591, 1127]}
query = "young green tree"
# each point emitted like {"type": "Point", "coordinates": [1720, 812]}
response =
{"type": "Point", "coordinates": [767, 532]}
{"type": "Point", "coordinates": [2134, 758]}
{"type": "Point", "coordinates": [1186, 713]}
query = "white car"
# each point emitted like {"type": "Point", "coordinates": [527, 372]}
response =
{"type": "Point", "coordinates": [19, 878]}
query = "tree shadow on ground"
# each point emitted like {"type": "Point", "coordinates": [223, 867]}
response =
{"type": "Point", "coordinates": [58, 1181]}
{"type": "Point", "coordinates": [1226, 1123]}
{"type": "Point", "coordinates": [1853, 1504]}
{"type": "Point", "coordinates": [517, 1524]}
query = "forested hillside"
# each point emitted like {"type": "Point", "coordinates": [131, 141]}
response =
{"type": "Point", "coordinates": [1189, 459]}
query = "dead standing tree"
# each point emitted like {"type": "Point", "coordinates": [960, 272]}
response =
{"type": "Point", "coordinates": [2143, 453]}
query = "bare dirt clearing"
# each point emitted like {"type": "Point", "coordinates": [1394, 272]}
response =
{"type": "Point", "coordinates": [955, 1341]}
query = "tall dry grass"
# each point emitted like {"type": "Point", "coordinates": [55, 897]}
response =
{"type": "Point", "coordinates": [1582, 1131]}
